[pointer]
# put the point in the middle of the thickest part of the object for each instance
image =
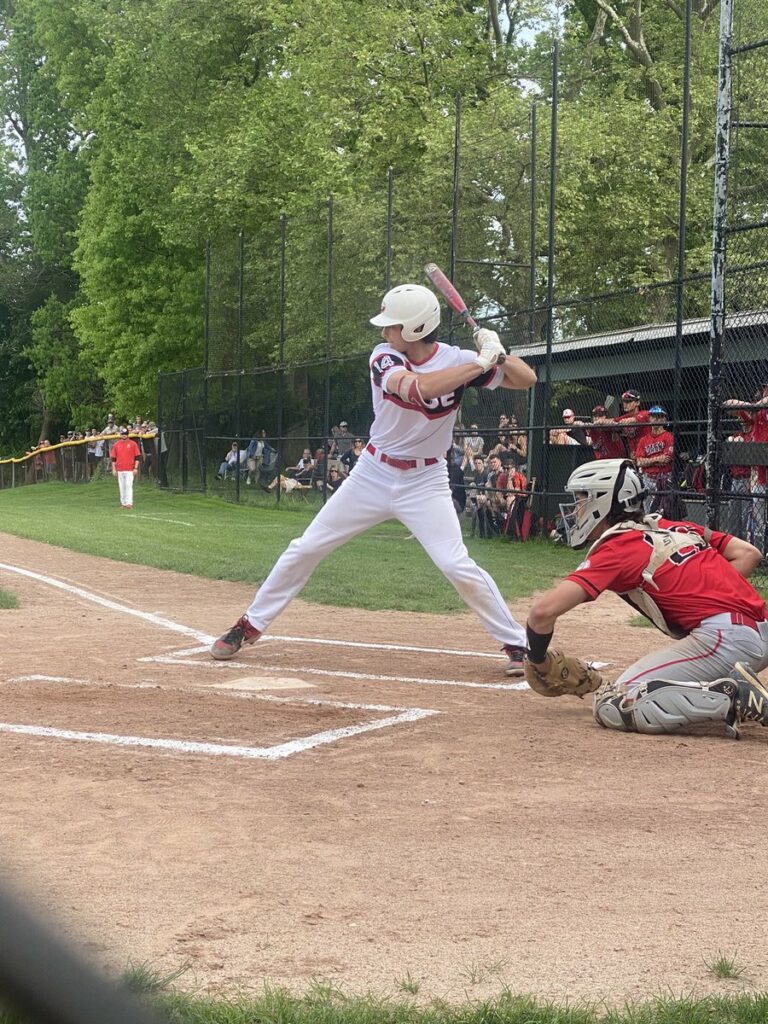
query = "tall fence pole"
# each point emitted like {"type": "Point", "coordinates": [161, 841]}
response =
{"type": "Point", "coordinates": [281, 347]}
{"type": "Point", "coordinates": [328, 341]}
{"type": "Point", "coordinates": [390, 211]}
{"type": "Point", "coordinates": [719, 244]}
{"type": "Point", "coordinates": [550, 267]}
{"type": "Point", "coordinates": [682, 222]}
{"type": "Point", "coordinates": [534, 191]}
{"type": "Point", "coordinates": [455, 203]}
{"type": "Point", "coordinates": [206, 357]}
{"type": "Point", "coordinates": [240, 336]}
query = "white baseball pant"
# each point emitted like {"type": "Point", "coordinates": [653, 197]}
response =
{"type": "Point", "coordinates": [125, 485]}
{"type": "Point", "coordinates": [374, 492]}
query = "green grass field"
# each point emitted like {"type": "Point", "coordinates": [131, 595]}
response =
{"type": "Point", "coordinates": [209, 537]}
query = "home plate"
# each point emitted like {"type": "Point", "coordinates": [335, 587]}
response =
{"type": "Point", "coordinates": [265, 683]}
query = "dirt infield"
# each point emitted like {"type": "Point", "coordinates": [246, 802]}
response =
{"type": "Point", "coordinates": [359, 813]}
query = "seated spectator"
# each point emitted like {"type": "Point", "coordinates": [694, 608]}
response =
{"type": "Point", "coordinates": [287, 484]}
{"type": "Point", "coordinates": [491, 501]}
{"type": "Point", "coordinates": [303, 469]}
{"type": "Point", "coordinates": [515, 501]}
{"type": "Point", "coordinates": [333, 483]}
{"type": "Point", "coordinates": [576, 429]}
{"type": "Point", "coordinates": [231, 461]}
{"type": "Point", "coordinates": [349, 459]}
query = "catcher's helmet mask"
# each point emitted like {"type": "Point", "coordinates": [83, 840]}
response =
{"type": "Point", "coordinates": [603, 488]}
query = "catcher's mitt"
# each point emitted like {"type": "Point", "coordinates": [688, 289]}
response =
{"type": "Point", "coordinates": [565, 676]}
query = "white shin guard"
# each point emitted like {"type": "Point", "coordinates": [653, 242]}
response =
{"type": "Point", "coordinates": [665, 706]}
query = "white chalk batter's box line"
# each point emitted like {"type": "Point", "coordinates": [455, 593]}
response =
{"type": "Point", "coordinates": [394, 716]}
{"type": "Point", "coordinates": [161, 621]}
{"type": "Point", "coordinates": [332, 673]}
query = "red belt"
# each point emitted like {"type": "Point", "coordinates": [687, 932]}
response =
{"type": "Point", "coordinates": [739, 619]}
{"type": "Point", "coordinates": [399, 463]}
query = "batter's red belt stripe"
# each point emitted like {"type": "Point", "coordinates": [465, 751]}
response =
{"type": "Point", "coordinates": [739, 619]}
{"type": "Point", "coordinates": [400, 463]}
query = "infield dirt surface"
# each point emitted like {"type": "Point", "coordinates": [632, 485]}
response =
{"type": "Point", "coordinates": [504, 841]}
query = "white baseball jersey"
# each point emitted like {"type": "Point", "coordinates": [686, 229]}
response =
{"type": "Point", "coordinates": [407, 431]}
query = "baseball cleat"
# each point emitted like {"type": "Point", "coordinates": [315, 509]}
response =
{"type": "Point", "coordinates": [516, 657]}
{"type": "Point", "coordinates": [230, 643]}
{"type": "Point", "coordinates": [751, 702]}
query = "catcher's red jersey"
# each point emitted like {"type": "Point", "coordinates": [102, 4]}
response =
{"type": "Point", "coordinates": [698, 583]}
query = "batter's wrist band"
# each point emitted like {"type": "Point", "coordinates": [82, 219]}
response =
{"type": "Point", "coordinates": [537, 644]}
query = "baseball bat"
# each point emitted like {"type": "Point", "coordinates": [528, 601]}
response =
{"type": "Point", "coordinates": [451, 295]}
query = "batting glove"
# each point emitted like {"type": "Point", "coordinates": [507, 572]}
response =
{"type": "Point", "coordinates": [482, 336]}
{"type": "Point", "coordinates": [491, 353]}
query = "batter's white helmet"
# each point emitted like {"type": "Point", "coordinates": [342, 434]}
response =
{"type": "Point", "coordinates": [599, 488]}
{"type": "Point", "coordinates": [414, 307]}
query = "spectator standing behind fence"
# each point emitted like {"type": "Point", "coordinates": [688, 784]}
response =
{"type": "Point", "coordinates": [254, 456]}
{"type": "Point", "coordinates": [633, 421]}
{"type": "Point", "coordinates": [607, 442]}
{"type": "Point", "coordinates": [754, 419]}
{"type": "Point", "coordinates": [655, 457]}
{"type": "Point", "coordinates": [417, 384]}
{"type": "Point", "coordinates": [126, 458]}
{"type": "Point", "coordinates": [473, 445]}
{"type": "Point", "coordinates": [344, 440]}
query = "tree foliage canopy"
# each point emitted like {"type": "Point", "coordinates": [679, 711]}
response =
{"type": "Point", "coordinates": [136, 131]}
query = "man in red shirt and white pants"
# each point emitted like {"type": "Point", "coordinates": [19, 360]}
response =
{"type": "Point", "coordinates": [689, 581]}
{"type": "Point", "coordinates": [126, 457]}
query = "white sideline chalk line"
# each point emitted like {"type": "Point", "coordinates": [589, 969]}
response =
{"type": "Point", "coordinates": [170, 659]}
{"type": "Point", "coordinates": [87, 595]}
{"type": "Point", "coordinates": [45, 679]}
{"type": "Point", "coordinates": [156, 519]}
{"type": "Point", "coordinates": [274, 753]}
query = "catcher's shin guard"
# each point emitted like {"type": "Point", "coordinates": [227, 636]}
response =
{"type": "Point", "coordinates": [663, 705]}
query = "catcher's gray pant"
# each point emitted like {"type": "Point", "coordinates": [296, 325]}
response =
{"type": "Point", "coordinates": [374, 492]}
{"type": "Point", "coordinates": [708, 653]}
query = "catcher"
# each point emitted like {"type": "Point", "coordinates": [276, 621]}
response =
{"type": "Point", "coordinates": [688, 580]}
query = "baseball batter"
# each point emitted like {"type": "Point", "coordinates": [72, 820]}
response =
{"type": "Point", "coordinates": [688, 580]}
{"type": "Point", "coordinates": [417, 383]}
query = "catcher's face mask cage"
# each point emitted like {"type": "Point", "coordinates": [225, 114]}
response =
{"type": "Point", "coordinates": [599, 488]}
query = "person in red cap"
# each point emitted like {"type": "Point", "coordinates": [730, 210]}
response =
{"type": "Point", "coordinates": [607, 442]}
{"type": "Point", "coordinates": [634, 421]}
{"type": "Point", "coordinates": [126, 458]}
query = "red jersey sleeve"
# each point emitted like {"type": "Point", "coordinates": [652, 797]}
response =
{"type": "Point", "coordinates": [617, 565]}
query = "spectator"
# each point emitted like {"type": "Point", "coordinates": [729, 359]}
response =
{"type": "Point", "coordinates": [491, 502]}
{"type": "Point", "coordinates": [287, 484]}
{"type": "Point", "coordinates": [302, 471]}
{"type": "Point", "coordinates": [515, 500]}
{"type": "Point", "coordinates": [333, 483]}
{"type": "Point", "coordinates": [607, 443]}
{"type": "Point", "coordinates": [477, 480]}
{"type": "Point", "coordinates": [633, 421]}
{"type": "Point", "coordinates": [456, 453]}
{"type": "Point", "coordinates": [344, 440]}
{"type": "Point", "coordinates": [349, 458]}
{"type": "Point", "coordinates": [254, 455]}
{"type": "Point", "coordinates": [576, 429]}
{"type": "Point", "coordinates": [455, 461]}
{"type": "Point", "coordinates": [230, 462]}
{"type": "Point", "coordinates": [473, 444]}
{"type": "Point", "coordinates": [518, 444]}
{"type": "Point", "coordinates": [738, 485]}
{"type": "Point", "coordinates": [654, 456]}
{"type": "Point", "coordinates": [754, 420]}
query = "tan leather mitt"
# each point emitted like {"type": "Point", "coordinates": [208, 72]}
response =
{"type": "Point", "coordinates": [565, 676]}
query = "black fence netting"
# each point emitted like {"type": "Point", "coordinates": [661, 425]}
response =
{"type": "Point", "coordinates": [500, 193]}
